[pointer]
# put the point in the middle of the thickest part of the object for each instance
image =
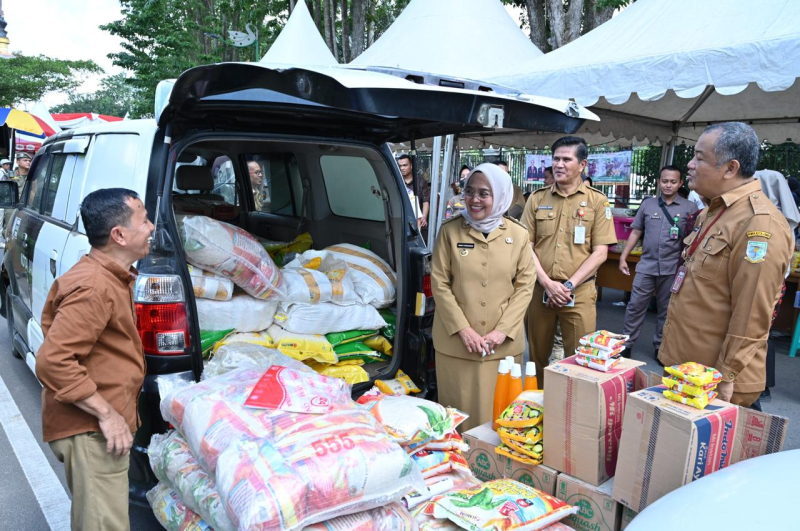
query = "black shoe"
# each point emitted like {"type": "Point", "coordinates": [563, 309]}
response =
{"type": "Point", "coordinates": [766, 396]}
{"type": "Point", "coordinates": [658, 360]}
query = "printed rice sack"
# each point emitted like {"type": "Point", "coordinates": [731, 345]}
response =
{"type": "Point", "coordinates": [172, 513]}
{"type": "Point", "coordinates": [237, 355]}
{"type": "Point", "coordinates": [231, 252]}
{"type": "Point", "coordinates": [393, 517]}
{"type": "Point", "coordinates": [400, 385]}
{"type": "Point", "coordinates": [326, 317]}
{"type": "Point", "coordinates": [253, 338]}
{"type": "Point", "coordinates": [410, 420]}
{"type": "Point", "coordinates": [303, 346]}
{"type": "Point", "coordinates": [242, 313]}
{"type": "Point", "coordinates": [208, 285]}
{"type": "Point", "coordinates": [319, 280]}
{"type": "Point", "coordinates": [350, 373]}
{"type": "Point", "coordinates": [434, 462]}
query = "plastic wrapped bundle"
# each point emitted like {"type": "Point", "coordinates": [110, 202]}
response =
{"type": "Point", "coordinates": [237, 355]}
{"type": "Point", "coordinates": [172, 513]}
{"type": "Point", "coordinates": [393, 517]}
{"type": "Point", "coordinates": [319, 280]}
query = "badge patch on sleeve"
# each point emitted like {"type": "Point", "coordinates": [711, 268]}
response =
{"type": "Point", "coordinates": [756, 251]}
{"type": "Point", "coordinates": [761, 233]}
{"type": "Point", "coordinates": [608, 212]}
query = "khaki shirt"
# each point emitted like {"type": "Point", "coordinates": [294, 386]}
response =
{"type": "Point", "coordinates": [722, 314]}
{"type": "Point", "coordinates": [551, 218]}
{"type": "Point", "coordinates": [482, 282]}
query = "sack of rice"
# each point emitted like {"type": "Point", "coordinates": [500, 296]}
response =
{"type": "Point", "coordinates": [208, 285]}
{"type": "Point", "coordinates": [327, 280]}
{"type": "Point", "coordinates": [327, 317]}
{"type": "Point", "coordinates": [242, 313]}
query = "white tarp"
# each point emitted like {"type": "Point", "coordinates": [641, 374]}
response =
{"type": "Point", "coordinates": [300, 42]}
{"type": "Point", "coordinates": [647, 67]}
{"type": "Point", "coordinates": [471, 39]}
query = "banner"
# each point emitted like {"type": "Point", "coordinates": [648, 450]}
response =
{"type": "Point", "coordinates": [610, 168]}
{"type": "Point", "coordinates": [535, 165]}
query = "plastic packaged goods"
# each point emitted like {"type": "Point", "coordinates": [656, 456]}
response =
{"type": "Point", "coordinates": [391, 322]}
{"type": "Point", "coordinates": [695, 373]}
{"type": "Point", "coordinates": [523, 435]}
{"type": "Point", "coordinates": [604, 340]}
{"type": "Point", "coordinates": [326, 317]}
{"type": "Point", "coordinates": [209, 338]}
{"type": "Point", "coordinates": [379, 344]}
{"type": "Point", "coordinates": [500, 391]}
{"type": "Point", "coordinates": [284, 252]}
{"type": "Point", "coordinates": [357, 351]}
{"type": "Point", "coordinates": [400, 385]}
{"type": "Point", "coordinates": [511, 453]}
{"type": "Point", "coordinates": [534, 451]}
{"type": "Point", "coordinates": [303, 346]}
{"type": "Point", "coordinates": [699, 402]}
{"type": "Point", "coordinates": [342, 338]}
{"type": "Point", "coordinates": [352, 374]}
{"type": "Point", "coordinates": [524, 412]}
{"type": "Point", "coordinates": [254, 338]}
{"type": "Point", "coordinates": [290, 390]}
{"type": "Point", "coordinates": [172, 513]}
{"type": "Point", "coordinates": [231, 252]}
{"type": "Point", "coordinates": [208, 285]}
{"type": "Point", "coordinates": [682, 386]}
{"type": "Point", "coordinates": [501, 505]}
{"type": "Point", "coordinates": [435, 462]}
{"type": "Point", "coordinates": [232, 356]}
{"type": "Point", "coordinates": [452, 441]}
{"type": "Point", "coordinates": [242, 313]}
{"type": "Point", "coordinates": [602, 354]}
{"type": "Point", "coordinates": [175, 466]}
{"type": "Point", "coordinates": [329, 281]}
{"type": "Point", "coordinates": [393, 517]}
{"type": "Point", "coordinates": [408, 420]}
{"type": "Point", "coordinates": [597, 364]}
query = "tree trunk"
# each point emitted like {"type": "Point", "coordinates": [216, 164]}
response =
{"type": "Point", "coordinates": [317, 13]}
{"type": "Point", "coordinates": [537, 19]}
{"type": "Point", "coordinates": [371, 30]}
{"type": "Point", "coordinates": [327, 16]}
{"type": "Point", "coordinates": [594, 16]}
{"type": "Point", "coordinates": [558, 23]}
{"type": "Point", "coordinates": [333, 4]}
{"type": "Point", "coordinates": [345, 33]}
{"type": "Point", "coordinates": [359, 32]}
{"type": "Point", "coordinates": [574, 18]}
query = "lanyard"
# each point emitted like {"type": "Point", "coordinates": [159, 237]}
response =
{"type": "Point", "coordinates": [697, 241]}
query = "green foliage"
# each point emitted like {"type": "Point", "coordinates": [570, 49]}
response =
{"type": "Point", "coordinates": [26, 78]}
{"type": "Point", "coordinates": [116, 97]}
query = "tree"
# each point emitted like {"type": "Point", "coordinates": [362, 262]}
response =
{"type": "Point", "coordinates": [116, 97]}
{"type": "Point", "coordinates": [25, 78]}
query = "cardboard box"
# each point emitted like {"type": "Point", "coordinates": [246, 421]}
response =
{"type": "Point", "coordinates": [599, 511]}
{"type": "Point", "coordinates": [583, 417]}
{"type": "Point", "coordinates": [666, 445]}
{"type": "Point", "coordinates": [628, 515]}
{"type": "Point", "coordinates": [487, 465]}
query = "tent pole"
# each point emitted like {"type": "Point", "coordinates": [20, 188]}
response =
{"type": "Point", "coordinates": [433, 212]}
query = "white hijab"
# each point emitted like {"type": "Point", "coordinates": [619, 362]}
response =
{"type": "Point", "coordinates": [502, 192]}
{"type": "Point", "coordinates": [774, 186]}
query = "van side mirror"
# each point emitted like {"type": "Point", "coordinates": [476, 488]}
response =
{"type": "Point", "coordinates": [9, 194]}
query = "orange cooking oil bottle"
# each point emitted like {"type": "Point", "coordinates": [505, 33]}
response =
{"type": "Point", "coordinates": [531, 382]}
{"type": "Point", "coordinates": [514, 383]}
{"type": "Point", "coordinates": [500, 392]}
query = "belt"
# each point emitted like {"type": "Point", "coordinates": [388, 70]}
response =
{"type": "Point", "coordinates": [590, 279]}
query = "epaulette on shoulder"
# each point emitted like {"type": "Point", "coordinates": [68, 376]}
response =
{"type": "Point", "coordinates": [455, 217]}
{"type": "Point", "coordinates": [515, 220]}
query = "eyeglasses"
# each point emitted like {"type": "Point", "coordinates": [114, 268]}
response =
{"type": "Point", "coordinates": [482, 194]}
{"type": "Point", "coordinates": [257, 172]}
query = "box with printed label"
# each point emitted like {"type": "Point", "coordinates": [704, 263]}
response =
{"type": "Point", "coordinates": [666, 445]}
{"type": "Point", "coordinates": [628, 515]}
{"type": "Point", "coordinates": [487, 465]}
{"type": "Point", "coordinates": [583, 417]}
{"type": "Point", "coordinates": [598, 510]}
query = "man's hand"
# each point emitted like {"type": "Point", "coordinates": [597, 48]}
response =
{"type": "Point", "coordinates": [473, 341]}
{"type": "Point", "coordinates": [422, 222]}
{"type": "Point", "coordinates": [623, 267]}
{"type": "Point", "coordinates": [725, 391]}
{"type": "Point", "coordinates": [558, 294]}
{"type": "Point", "coordinates": [493, 340]}
{"type": "Point", "coordinates": [117, 433]}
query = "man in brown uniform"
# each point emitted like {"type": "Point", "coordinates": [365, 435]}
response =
{"type": "Point", "coordinates": [91, 363]}
{"type": "Point", "coordinates": [734, 264]}
{"type": "Point", "coordinates": [571, 228]}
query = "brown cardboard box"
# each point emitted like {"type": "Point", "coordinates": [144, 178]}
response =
{"type": "Point", "coordinates": [487, 465]}
{"type": "Point", "coordinates": [666, 445]}
{"type": "Point", "coordinates": [599, 511]}
{"type": "Point", "coordinates": [583, 417]}
{"type": "Point", "coordinates": [628, 515]}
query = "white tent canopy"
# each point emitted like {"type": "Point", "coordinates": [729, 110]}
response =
{"type": "Point", "coordinates": [300, 42]}
{"type": "Point", "coordinates": [669, 67]}
{"type": "Point", "coordinates": [471, 39]}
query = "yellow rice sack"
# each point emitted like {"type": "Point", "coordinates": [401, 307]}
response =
{"type": "Point", "coordinates": [254, 338]}
{"type": "Point", "coordinates": [401, 385]}
{"type": "Point", "coordinates": [350, 373]}
{"type": "Point", "coordinates": [380, 344]}
{"type": "Point", "coordinates": [303, 346]}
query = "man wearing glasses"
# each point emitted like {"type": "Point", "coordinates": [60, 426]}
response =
{"type": "Point", "coordinates": [257, 182]}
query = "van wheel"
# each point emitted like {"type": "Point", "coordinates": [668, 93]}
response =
{"type": "Point", "coordinates": [10, 323]}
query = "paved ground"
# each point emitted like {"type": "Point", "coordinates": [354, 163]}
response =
{"type": "Point", "coordinates": [20, 510]}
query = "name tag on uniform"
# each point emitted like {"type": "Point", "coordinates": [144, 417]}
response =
{"type": "Point", "coordinates": [545, 207]}
{"type": "Point", "coordinates": [465, 245]}
{"type": "Point", "coordinates": [580, 234]}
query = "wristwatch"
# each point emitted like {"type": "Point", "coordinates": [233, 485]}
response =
{"type": "Point", "coordinates": [569, 285]}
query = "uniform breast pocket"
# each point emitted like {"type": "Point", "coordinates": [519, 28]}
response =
{"type": "Point", "coordinates": [711, 258]}
{"type": "Point", "coordinates": [586, 220]}
{"type": "Point", "coordinates": [545, 223]}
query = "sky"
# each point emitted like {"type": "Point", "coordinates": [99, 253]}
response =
{"type": "Point", "coordinates": [64, 29]}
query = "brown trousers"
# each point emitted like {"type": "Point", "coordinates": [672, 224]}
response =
{"type": "Point", "coordinates": [97, 481]}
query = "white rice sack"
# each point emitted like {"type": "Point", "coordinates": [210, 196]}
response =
{"type": "Point", "coordinates": [327, 317]}
{"type": "Point", "coordinates": [172, 513]}
{"type": "Point", "coordinates": [175, 466]}
{"type": "Point", "coordinates": [242, 313]}
{"type": "Point", "coordinates": [231, 252]}
{"type": "Point", "coordinates": [235, 355]}
{"type": "Point", "coordinates": [208, 285]}
{"type": "Point", "coordinates": [319, 279]}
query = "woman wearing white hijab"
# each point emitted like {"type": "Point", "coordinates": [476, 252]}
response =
{"type": "Point", "coordinates": [482, 279]}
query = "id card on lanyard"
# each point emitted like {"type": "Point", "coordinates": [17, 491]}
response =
{"type": "Point", "coordinates": [680, 276]}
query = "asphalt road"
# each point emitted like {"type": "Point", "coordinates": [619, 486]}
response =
{"type": "Point", "coordinates": [20, 509]}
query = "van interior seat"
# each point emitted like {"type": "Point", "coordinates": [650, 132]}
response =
{"type": "Point", "coordinates": [197, 179]}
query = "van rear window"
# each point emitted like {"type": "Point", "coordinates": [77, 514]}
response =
{"type": "Point", "coordinates": [352, 187]}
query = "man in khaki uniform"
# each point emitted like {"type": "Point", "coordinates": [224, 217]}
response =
{"type": "Point", "coordinates": [571, 228]}
{"type": "Point", "coordinates": [734, 265]}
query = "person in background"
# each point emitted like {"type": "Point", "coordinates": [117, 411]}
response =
{"type": "Point", "coordinates": [23, 166]}
{"type": "Point", "coordinates": [726, 290]}
{"type": "Point", "coordinates": [482, 279]}
{"type": "Point", "coordinates": [532, 174]}
{"type": "Point", "coordinates": [462, 176]}
{"type": "Point", "coordinates": [570, 227]}
{"type": "Point", "coordinates": [91, 363]}
{"type": "Point", "coordinates": [5, 170]}
{"type": "Point", "coordinates": [518, 202]}
{"type": "Point", "coordinates": [456, 203]}
{"type": "Point", "coordinates": [421, 204]}
{"type": "Point", "coordinates": [260, 196]}
{"type": "Point", "coordinates": [695, 198]}
{"type": "Point", "coordinates": [662, 221]}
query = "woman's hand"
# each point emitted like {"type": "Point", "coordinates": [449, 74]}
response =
{"type": "Point", "coordinates": [473, 341]}
{"type": "Point", "coordinates": [493, 340]}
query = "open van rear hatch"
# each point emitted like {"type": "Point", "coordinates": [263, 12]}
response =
{"type": "Point", "coordinates": [353, 103]}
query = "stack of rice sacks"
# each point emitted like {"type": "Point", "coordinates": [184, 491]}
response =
{"type": "Point", "coordinates": [227, 466]}
{"type": "Point", "coordinates": [600, 350]}
{"type": "Point", "coordinates": [692, 384]}
{"type": "Point", "coordinates": [520, 428]}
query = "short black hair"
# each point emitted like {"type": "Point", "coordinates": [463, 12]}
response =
{"type": "Point", "coordinates": [404, 156]}
{"type": "Point", "coordinates": [464, 167]}
{"type": "Point", "coordinates": [104, 209]}
{"type": "Point", "coordinates": [671, 167]}
{"type": "Point", "coordinates": [499, 162]}
{"type": "Point", "coordinates": [582, 151]}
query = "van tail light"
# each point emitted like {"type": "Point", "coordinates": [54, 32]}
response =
{"type": "Point", "coordinates": [424, 304]}
{"type": "Point", "coordinates": [426, 286]}
{"type": "Point", "coordinates": [161, 315]}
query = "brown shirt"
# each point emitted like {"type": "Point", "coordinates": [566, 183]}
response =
{"type": "Point", "coordinates": [482, 282]}
{"type": "Point", "coordinates": [91, 343]}
{"type": "Point", "coordinates": [721, 316]}
{"type": "Point", "coordinates": [661, 254]}
{"type": "Point", "coordinates": [551, 218]}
